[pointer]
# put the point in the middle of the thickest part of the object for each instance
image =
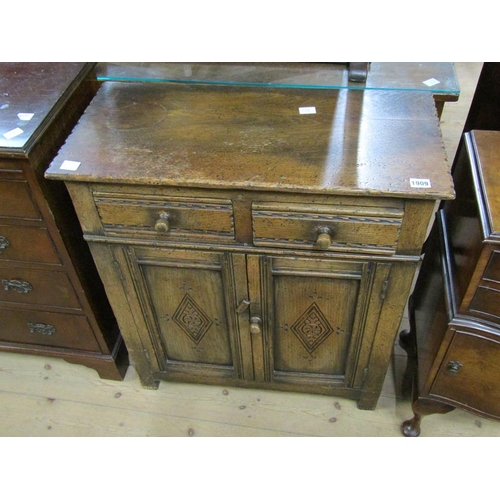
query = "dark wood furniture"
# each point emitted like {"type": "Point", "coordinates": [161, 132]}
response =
{"type": "Point", "coordinates": [455, 307]}
{"type": "Point", "coordinates": [52, 301]}
{"type": "Point", "coordinates": [484, 111]}
{"type": "Point", "coordinates": [243, 241]}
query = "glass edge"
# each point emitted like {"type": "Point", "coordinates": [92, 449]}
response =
{"type": "Point", "coordinates": [455, 76]}
{"type": "Point", "coordinates": [274, 85]}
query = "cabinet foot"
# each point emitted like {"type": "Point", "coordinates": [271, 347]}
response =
{"type": "Point", "coordinates": [148, 381]}
{"type": "Point", "coordinates": [113, 366]}
{"type": "Point", "coordinates": [146, 378]}
{"type": "Point", "coordinates": [411, 428]}
{"type": "Point", "coordinates": [152, 386]}
{"type": "Point", "coordinates": [422, 407]}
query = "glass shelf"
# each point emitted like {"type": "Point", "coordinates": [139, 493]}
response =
{"type": "Point", "coordinates": [436, 77]}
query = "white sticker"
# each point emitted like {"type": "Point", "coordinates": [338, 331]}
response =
{"type": "Point", "coordinates": [4, 106]}
{"type": "Point", "coordinates": [13, 133]}
{"type": "Point", "coordinates": [25, 116]}
{"type": "Point", "coordinates": [310, 110]}
{"type": "Point", "coordinates": [70, 165]}
{"type": "Point", "coordinates": [431, 82]}
{"type": "Point", "coordinates": [420, 183]}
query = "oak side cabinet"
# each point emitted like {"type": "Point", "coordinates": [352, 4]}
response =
{"type": "Point", "coordinates": [52, 301]}
{"type": "Point", "coordinates": [257, 237]}
{"type": "Point", "coordinates": [455, 307]}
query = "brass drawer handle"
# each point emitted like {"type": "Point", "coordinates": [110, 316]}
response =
{"type": "Point", "coordinates": [163, 223]}
{"type": "Point", "coordinates": [4, 243]}
{"type": "Point", "coordinates": [41, 328]}
{"type": "Point", "coordinates": [453, 367]}
{"type": "Point", "coordinates": [324, 239]}
{"type": "Point", "coordinates": [255, 327]}
{"type": "Point", "coordinates": [17, 286]}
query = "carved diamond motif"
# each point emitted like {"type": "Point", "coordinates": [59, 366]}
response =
{"type": "Point", "coordinates": [312, 328]}
{"type": "Point", "coordinates": [191, 319]}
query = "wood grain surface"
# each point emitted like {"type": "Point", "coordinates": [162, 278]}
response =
{"type": "Point", "coordinates": [235, 137]}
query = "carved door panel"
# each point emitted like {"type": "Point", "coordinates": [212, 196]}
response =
{"type": "Point", "coordinates": [189, 300]}
{"type": "Point", "coordinates": [316, 313]}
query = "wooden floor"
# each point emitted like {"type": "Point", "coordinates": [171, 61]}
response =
{"type": "Point", "coordinates": [49, 397]}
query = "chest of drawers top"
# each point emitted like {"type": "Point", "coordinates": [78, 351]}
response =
{"type": "Point", "coordinates": [31, 95]}
{"type": "Point", "coordinates": [344, 142]}
{"type": "Point", "coordinates": [486, 159]}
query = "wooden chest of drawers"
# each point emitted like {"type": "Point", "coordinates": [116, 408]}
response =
{"type": "Point", "coordinates": [52, 301]}
{"type": "Point", "coordinates": [455, 310]}
{"type": "Point", "coordinates": [243, 242]}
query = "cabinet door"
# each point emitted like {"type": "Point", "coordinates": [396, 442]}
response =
{"type": "Point", "coordinates": [314, 314]}
{"type": "Point", "coordinates": [189, 301]}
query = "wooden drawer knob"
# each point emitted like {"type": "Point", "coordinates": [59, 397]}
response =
{"type": "Point", "coordinates": [324, 239]}
{"type": "Point", "coordinates": [163, 223]}
{"type": "Point", "coordinates": [255, 327]}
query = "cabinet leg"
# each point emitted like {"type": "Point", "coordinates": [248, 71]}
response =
{"type": "Point", "coordinates": [151, 385]}
{"type": "Point", "coordinates": [407, 342]}
{"type": "Point", "coordinates": [422, 407]}
{"type": "Point", "coordinates": [411, 428]}
{"type": "Point", "coordinates": [145, 375]}
{"type": "Point", "coordinates": [147, 380]}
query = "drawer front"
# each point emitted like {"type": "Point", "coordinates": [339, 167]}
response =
{"type": "Point", "coordinates": [10, 166]}
{"type": "Point", "coordinates": [470, 373]}
{"type": "Point", "coordinates": [27, 244]}
{"type": "Point", "coordinates": [366, 230]}
{"type": "Point", "coordinates": [486, 303]}
{"type": "Point", "coordinates": [492, 271]}
{"type": "Point", "coordinates": [16, 201]}
{"type": "Point", "coordinates": [47, 329]}
{"type": "Point", "coordinates": [32, 286]}
{"type": "Point", "coordinates": [166, 218]}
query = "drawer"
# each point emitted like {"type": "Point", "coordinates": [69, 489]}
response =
{"type": "Point", "coordinates": [25, 326]}
{"type": "Point", "coordinates": [16, 201]}
{"type": "Point", "coordinates": [330, 228]}
{"type": "Point", "coordinates": [33, 286]}
{"type": "Point", "coordinates": [470, 373]}
{"type": "Point", "coordinates": [486, 301]}
{"type": "Point", "coordinates": [172, 218]}
{"type": "Point", "coordinates": [492, 271]}
{"type": "Point", "coordinates": [27, 244]}
{"type": "Point", "coordinates": [10, 166]}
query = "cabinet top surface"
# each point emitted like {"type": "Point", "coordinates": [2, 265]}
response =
{"type": "Point", "coordinates": [29, 94]}
{"type": "Point", "coordinates": [297, 140]}
{"type": "Point", "coordinates": [487, 144]}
